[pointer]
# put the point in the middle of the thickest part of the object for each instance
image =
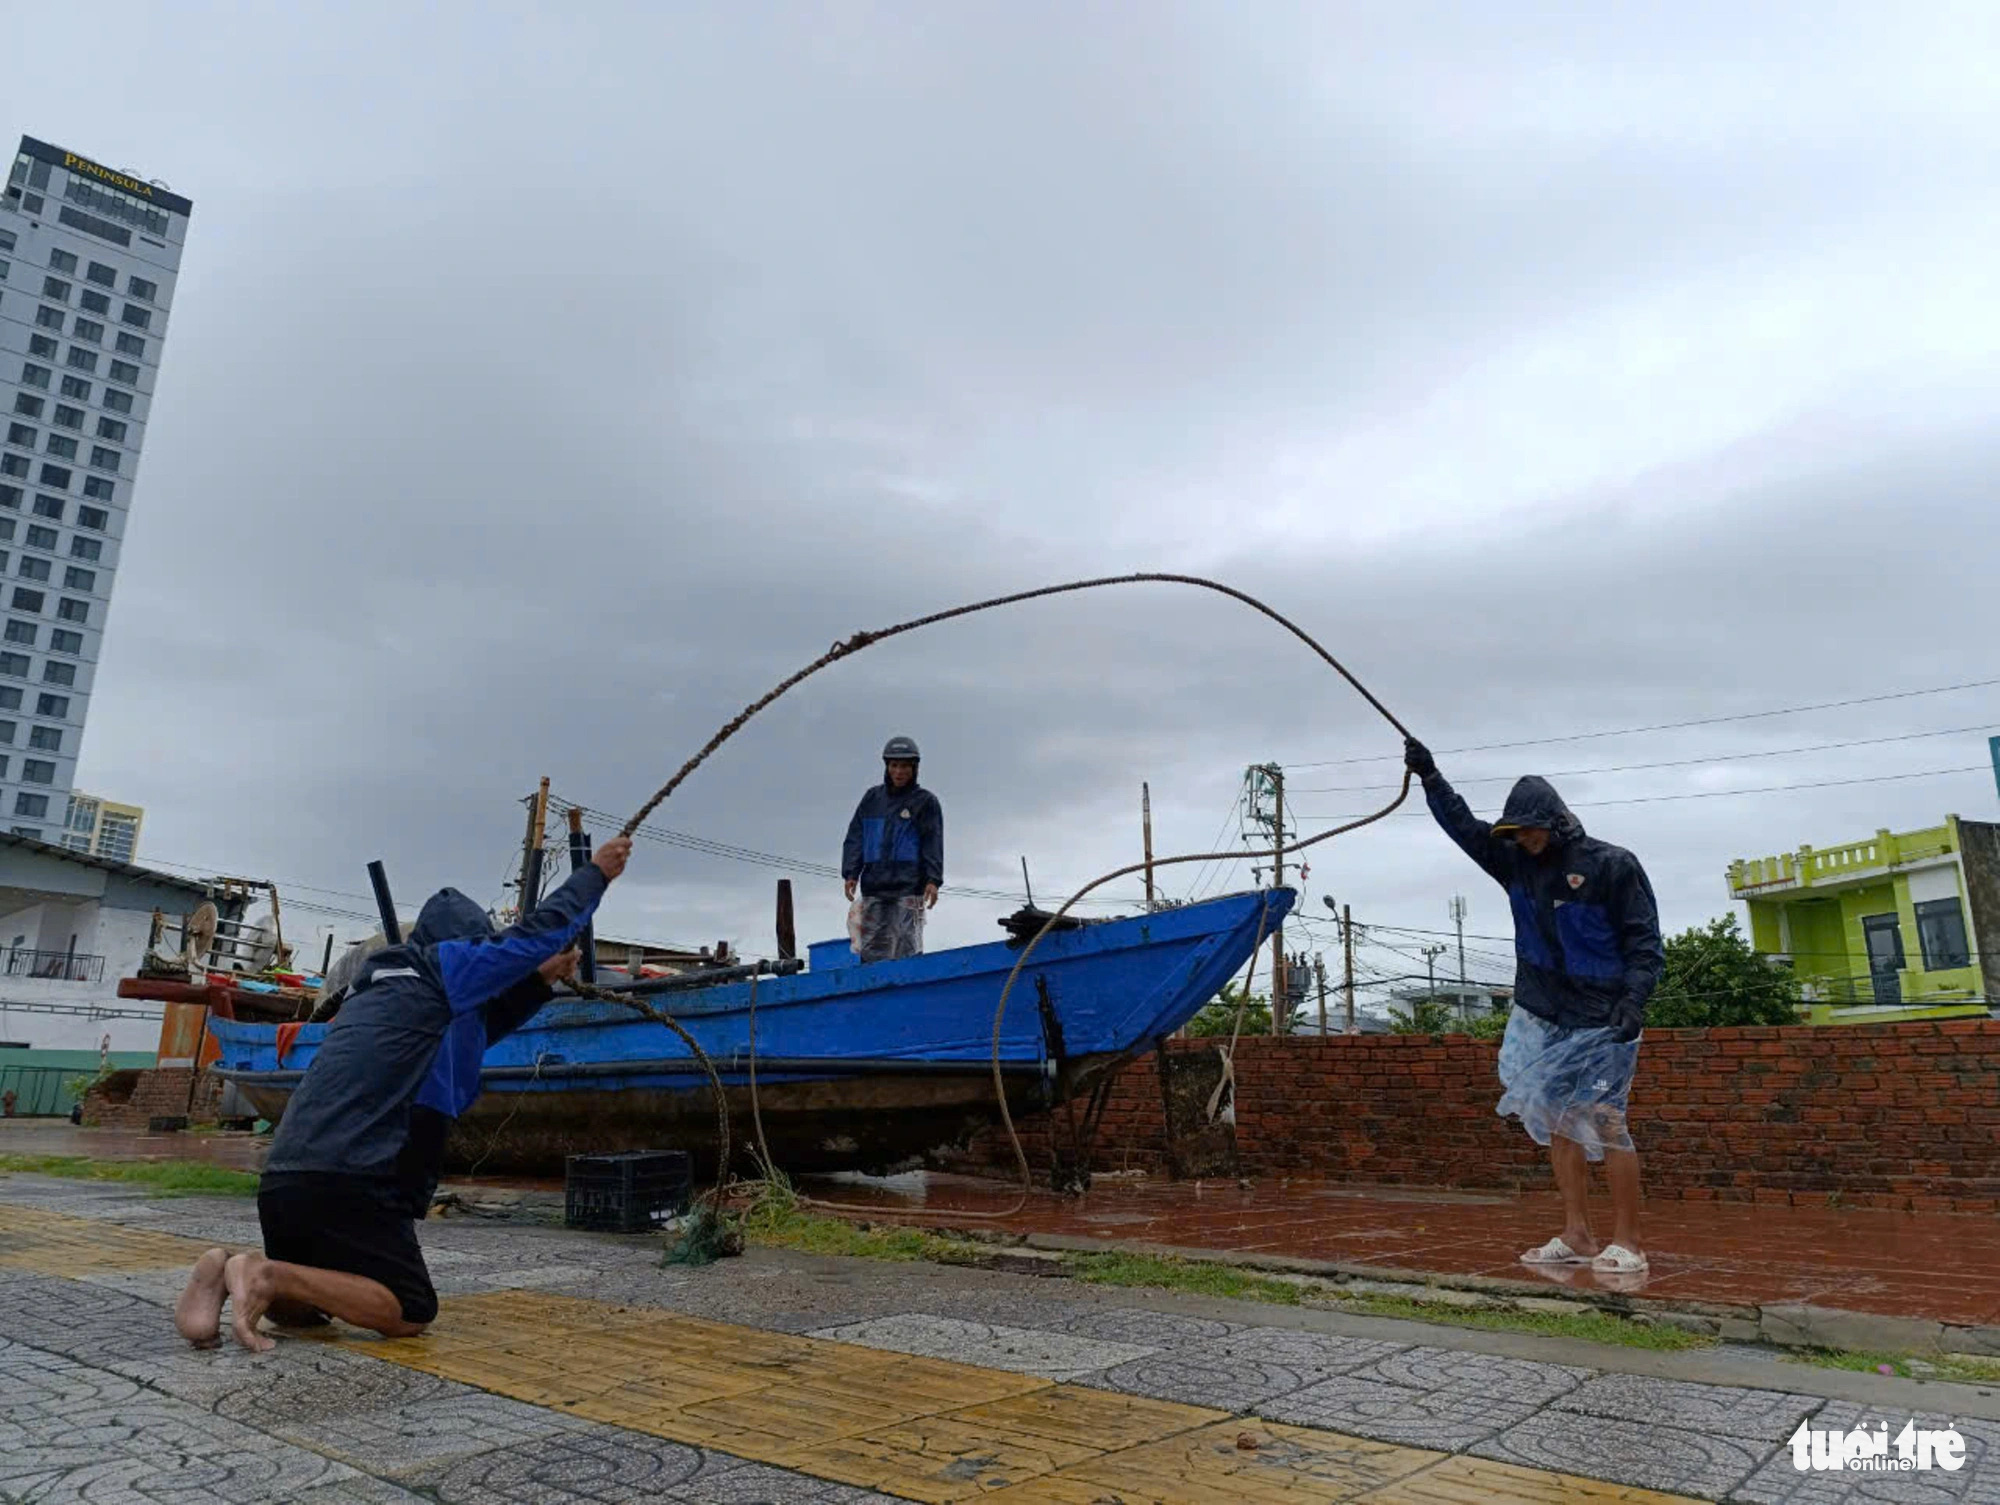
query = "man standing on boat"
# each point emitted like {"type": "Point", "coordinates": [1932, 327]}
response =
{"type": "Point", "coordinates": [894, 859]}
{"type": "Point", "coordinates": [1587, 956]}
{"type": "Point", "coordinates": [355, 1157]}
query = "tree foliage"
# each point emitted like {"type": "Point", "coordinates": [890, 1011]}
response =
{"type": "Point", "coordinates": [1712, 977]}
{"type": "Point", "coordinates": [1219, 1016]}
{"type": "Point", "coordinates": [1425, 1016]}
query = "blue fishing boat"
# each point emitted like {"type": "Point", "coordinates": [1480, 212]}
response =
{"type": "Point", "coordinates": [858, 1067]}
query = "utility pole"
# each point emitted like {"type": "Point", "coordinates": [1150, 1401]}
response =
{"type": "Point", "coordinates": [1278, 958]}
{"type": "Point", "coordinates": [1431, 955]}
{"type": "Point", "coordinates": [531, 850]}
{"type": "Point", "coordinates": [1319, 974]}
{"type": "Point", "coordinates": [1347, 944]}
{"type": "Point", "coordinates": [1146, 820]}
{"type": "Point", "coordinates": [1458, 918]}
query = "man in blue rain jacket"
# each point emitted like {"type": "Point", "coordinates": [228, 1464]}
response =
{"type": "Point", "coordinates": [1588, 956]}
{"type": "Point", "coordinates": [894, 858]}
{"type": "Point", "coordinates": [358, 1148]}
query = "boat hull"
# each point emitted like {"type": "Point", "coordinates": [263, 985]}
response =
{"type": "Point", "coordinates": [857, 1068]}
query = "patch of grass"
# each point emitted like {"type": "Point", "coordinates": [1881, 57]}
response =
{"type": "Point", "coordinates": [1195, 1277]}
{"type": "Point", "coordinates": [1589, 1327]}
{"type": "Point", "coordinates": [1968, 1369]}
{"type": "Point", "coordinates": [167, 1178]}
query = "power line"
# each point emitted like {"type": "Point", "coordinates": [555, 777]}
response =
{"type": "Point", "coordinates": [1672, 726]}
{"type": "Point", "coordinates": [1574, 773]}
{"type": "Point", "coordinates": [1718, 794]}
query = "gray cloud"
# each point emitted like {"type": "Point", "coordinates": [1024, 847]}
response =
{"type": "Point", "coordinates": [543, 388]}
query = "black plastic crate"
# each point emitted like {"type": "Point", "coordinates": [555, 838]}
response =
{"type": "Point", "coordinates": [634, 1192]}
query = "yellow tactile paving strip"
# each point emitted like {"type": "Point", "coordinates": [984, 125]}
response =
{"type": "Point", "coordinates": [53, 1243]}
{"type": "Point", "coordinates": [923, 1429]}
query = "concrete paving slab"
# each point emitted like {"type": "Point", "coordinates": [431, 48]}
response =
{"type": "Point", "coordinates": [1054, 1355]}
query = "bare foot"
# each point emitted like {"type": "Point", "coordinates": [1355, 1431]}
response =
{"type": "Point", "coordinates": [249, 1298]}
{"type": "Point", "coordinates": [198, 1314]}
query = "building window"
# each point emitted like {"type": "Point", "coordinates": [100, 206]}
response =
{"type": "Point", "coordinates": [36, 807]}
{"type": "Point", "coordinates": [131, 344]}
{"type": "Point", "coordinates": [112, 429]}
{"type": "Point", "coordinates": [26, 406]}
{"type": "Point", "coordinates": [99, 488]}
{"type": "Point", "coordinates": [87, 329]}
{"type": "Point", "coordinates": [93, 518]}
{"type": "Point", "coordinates": [101, 274]}
{"type": "Point", "coordinates": [6, 240]}
{"type": "Point", "coordinates": [6, 527]}
{"type": "Point", "coordinates": [139, 287]}
{"type": "Point", "coordinates": [36, 376]}
{"type": "Point", "coordinates": [69, 418]}
{"type": "Point", "coordinates": [86, 548]}
{"type": "Point", "coordinates": [55, 289]}
{"type": "Point", "coordinates": [45, 738]}
{"type": "Point", "coordinates": [62, 640]}
{"type": "Point", "coordinates": [137, 317]}
{"type": "Point", "coordinates": [1941, 927]}
{"type": "Point", "coordinates": [43, 346]}
{"type": "Point", "coordinates": [126, 372]}
{"type": "Point", "coordinates": [37, 771]}
{"type": "Point", "coordinates": [70, 611]}
{"type": "Point", "coordinates": [21, 434]}
{"type": "Point", "coordinates": [7, 735]}
{"type": "Point", "coordinates": [54, 673]}
{"type": "Point", "coordinates": [56, 707]}
{"type": "Point", "coordinates": [82, 360]}
{"type": "Point", "coordinates": [41, 538]}
{"type": "Point", "coordinates": [95, 303]}
{"type": "Point", "coordinates": [77, 387]}
{"type": "Point", "coordinates": [22, 632]}
{"type": "Point", "coordinates": [32, 568]}
{"type": "Point", "coordinates": [117, 401]}
{"type": "Point", "coordinates": [33, 833]}
{"type": "Point", "coordinates": [26, 600]}
{"type": "Point", "coordinates": [13, 465]}
{"type": "Point", "coordinates": [62, 261]}
{"type": "Point", "coordinates": [49, 318]}
{"type": "Point", "coordinates": [14, 665]}
{"type": "Point", "coordinates": [104, 459]}
{"type": "Point", "coordinates": [49, 506]}
{"type": "Point", "coordinates": [79, 580]}
{"type": "Point", "coordinates": [62, 448]}
{"type": "Point", "coordinates": [10, 700]}
{"type": "Point", "coordinates": [10, 497]}
{"type": "Point", "coordinates": [56, 476]}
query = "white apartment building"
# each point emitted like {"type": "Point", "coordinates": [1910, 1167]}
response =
{"type": "Point", "coordinates": [89, 256]}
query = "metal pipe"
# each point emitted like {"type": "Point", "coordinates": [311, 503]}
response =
{"type": "Point", "coordinates": [579, 854]}
{"type": "Point", "coordinates": [392, 932]}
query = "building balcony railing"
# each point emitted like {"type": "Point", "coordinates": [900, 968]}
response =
{"type": "Point", "coordinates": [1819, 865]}
{"type": "Point", "coordinates": [57, 966]}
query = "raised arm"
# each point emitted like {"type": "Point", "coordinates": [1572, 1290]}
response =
{"type": "Point", "coordinates": [1474, 836]}
{"type": "Point", "coordinates": [476, 972]}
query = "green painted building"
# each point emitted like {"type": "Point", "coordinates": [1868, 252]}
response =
{"type": "Point", "coordinates": [1884, 928]}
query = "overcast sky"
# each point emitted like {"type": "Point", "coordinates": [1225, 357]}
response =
{"type": "Point", "coordinates": [542, 387]}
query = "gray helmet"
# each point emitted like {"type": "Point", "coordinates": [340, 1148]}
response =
{"type": "Point", "coordinates": [900, 750]}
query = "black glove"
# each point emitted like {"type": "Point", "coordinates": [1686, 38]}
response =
{"type": "Point", "coordinates": [1627, 1019]}
{"type": "Point", "coordinates": [1417, 758]}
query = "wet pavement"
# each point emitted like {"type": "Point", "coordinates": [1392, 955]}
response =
{"type": "Point", "coordinates": [1939, 1267]}
{"type": "Point", "coordinates": [1943, 1267]}
{"type": "Point", "coordinates": [570, 1367]}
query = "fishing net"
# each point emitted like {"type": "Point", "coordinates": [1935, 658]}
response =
{"type": "Point", "coordinates": [706, 1237]}
{"type": "Point", "coordinates": [1566, 1083]}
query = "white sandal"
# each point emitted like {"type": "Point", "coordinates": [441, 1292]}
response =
{"type": "Point", "coordinates": [1554, 1252]}
{"type": "Point", "coordinates": [1618, 1260]}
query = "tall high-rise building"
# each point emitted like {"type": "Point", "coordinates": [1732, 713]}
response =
{"type": "Point", "coordinates": [101, 827]}
{"type": "Point", "coordinates": [88, 260]}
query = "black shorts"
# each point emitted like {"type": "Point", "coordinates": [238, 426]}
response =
{"type": "Point", "coordinates": [337, 1223]}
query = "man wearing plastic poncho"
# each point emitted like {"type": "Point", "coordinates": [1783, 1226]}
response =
{"type": "Point", "coordinates": [1587, 957]}
{"type": "Point", "coordinates": [893, 859]}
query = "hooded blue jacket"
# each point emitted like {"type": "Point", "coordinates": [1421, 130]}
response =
{"type": "Point", "coordinates": [1586, 926]}
{"type": "Point", "coordinates": [895, 843]}
{"type": "Point", "coordinates": [402, 1058]}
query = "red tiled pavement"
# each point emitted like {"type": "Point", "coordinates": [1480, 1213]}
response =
{"type": "Point", "coordinates": [1940, 1266]}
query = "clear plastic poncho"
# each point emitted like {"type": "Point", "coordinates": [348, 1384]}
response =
{"type": "Point", "coordinates": [1568, 1083]}
{"type": "Point", "coordinates": [886, 930]}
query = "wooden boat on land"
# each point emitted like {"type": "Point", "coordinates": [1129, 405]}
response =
{"type": "Point", "coordinates": [858, 1067]}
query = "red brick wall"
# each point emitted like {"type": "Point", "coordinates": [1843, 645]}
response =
{"type": "Point", "coordinates": [160, 1093]}
{"type": "Point", "coordinates": [1904, 1115]}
